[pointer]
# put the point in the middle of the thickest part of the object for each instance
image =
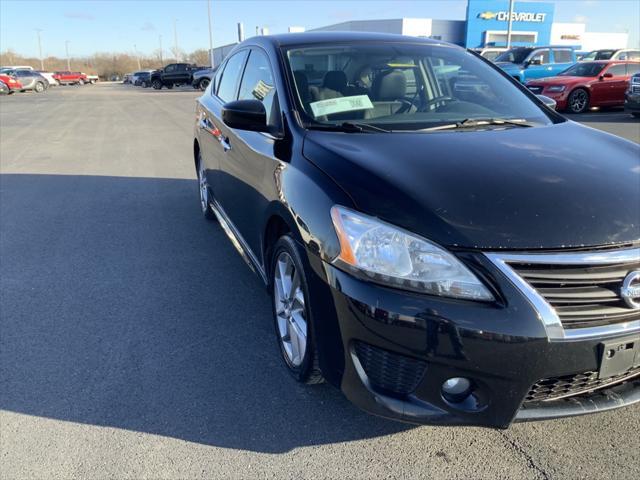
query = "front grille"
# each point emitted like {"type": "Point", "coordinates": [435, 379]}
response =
{"type": "Point", "coordinates": [635, 89]}
{"type": "Point", "coordinates": [536, 89]}
{"type": "Point", "coordinates": [569, 385]}
{"type": "Point", "coordinates": [582, 295]}
{"type": "Point", "coordinates": [390, 371]}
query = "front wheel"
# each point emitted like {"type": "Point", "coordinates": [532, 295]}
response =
{"type": "Point", "coordinates": [291, 311]}
{"type": "Point", "coordinates": [203, 84]}
{"type": "Point", "coordinates": [578, 101]}
{"type": "Point", "coordinates": [39, 88]}
{"type": "Point", "coordinates": [156, 84]}
{"type": "Point", "coordinates": [203, 186]}
{"type": "Point", "coordinates": [144, 84]}
{"type": "Point", "coordinates": [170, 86]}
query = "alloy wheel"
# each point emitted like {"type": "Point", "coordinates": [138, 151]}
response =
{"type": "Point", "coordinates": [204, 83]}
{"type": "Point", "coordinates": [579, 101]}
{"type": "Point", "coordinates": [290, 309]}
{"type": "Point", "coordinates": [203, 186]}
{"type": "Point", "coordinates": [39, 87]}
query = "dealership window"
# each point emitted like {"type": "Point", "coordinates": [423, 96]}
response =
{"type": "Point", "coordinates": [562, 56]}
{"type": "Point", "coordinates": [542, 55]}
{"type": "Point", "coordinates": [499, 37]}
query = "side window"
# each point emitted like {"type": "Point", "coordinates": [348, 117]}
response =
{"type": "Point", "coordinates": [230, 76]}
{"type": "Point", "coordinates": [216, 79]}
{"type": "Point", "coordinates": [634, 55]}
{"type": "Point", "coordinates": [617, 70]}
{"type": "Point", "coordinates": [562, 56]}
{"type": "Point", "coordinates": [633, 68]}
{"type": "Point", "coordinates": [257, 83]}
{"type": "Point", "coordinates": [542, 55]}
{"type": "Point", "coordinates": [170, 68]}
{"type": "Point", "coordinates": [182, 67]}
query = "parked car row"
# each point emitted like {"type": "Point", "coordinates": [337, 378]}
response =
{"type": "Point", "coordinates": [174, 74]}
{"type": "Point", "coordinates": [577, 83]}
{"type": "Point", "coordinates": [24, 78]}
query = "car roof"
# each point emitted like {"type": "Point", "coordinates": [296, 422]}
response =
{"type": "Point", "coordinates": [310, 38]}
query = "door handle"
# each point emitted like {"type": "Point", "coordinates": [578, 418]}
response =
{"type": "Point", "coordinates": [226, 146]}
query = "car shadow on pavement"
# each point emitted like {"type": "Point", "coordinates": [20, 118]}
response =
{"type": "Point", "coordinates": [121, 306]}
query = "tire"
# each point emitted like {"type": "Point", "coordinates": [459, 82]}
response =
{"type": "Point", "coordinates": [203, 84]}
{"type": "Point", "coordinates": [291, 313]}
{"type": "Point", "coordinates": [144, 84]}
{"type": "Point", "coordinates": [578, 101]}
{"type": "Point", "coordinates": [39, 87]}
{"type": "Point", "coordinates": [156, 84]}
{"type": "Point", "coordinates": [170, 86]}
{"type": "Point", "coordinates": [204, 191]}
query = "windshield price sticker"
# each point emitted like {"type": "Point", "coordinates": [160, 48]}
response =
{"type": "Point", "coordinates": [340, 104]}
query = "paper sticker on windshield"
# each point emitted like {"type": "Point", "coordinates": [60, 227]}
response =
{"type": "Point", "coordinates": [340, 104]}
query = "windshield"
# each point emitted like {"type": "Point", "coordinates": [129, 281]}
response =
{"type": "Point", "coordinates": [587, 69]}
{"type": "Point", "coordinates": [599, 55]}
{"type": "Point", "coordinates": [400, 86]}
{"type": "Point", "coordinates": [515, 55]}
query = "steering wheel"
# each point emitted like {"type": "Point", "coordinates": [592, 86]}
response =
{"type": "Point", "coordinates": [443, 99]}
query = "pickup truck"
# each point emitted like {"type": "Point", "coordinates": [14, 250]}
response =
{"type": "Point", "coordinates": [173, 74]}
{"type": "Point", "coordinates": [527, 63]}
{"type": "Point", "coordinates": [70, 78]}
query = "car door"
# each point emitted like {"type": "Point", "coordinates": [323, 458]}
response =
{"type": "Point", "coordinates": [212, 131]}
{"type": "Point", "coordinates": [25, 77]}
{"type": "Point", "coordinates": [169, 73]}
{"type": "Point", "coordinates": [616, 84]}
{"type": "Point", "coordinates": [251, 154]}
{"type": "Point", "coordinates": [544, 69]}
{"type": "Point", "coordinates": [182, 73]}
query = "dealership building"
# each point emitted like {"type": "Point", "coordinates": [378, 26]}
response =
{"type": "Point", "coordinates": [486, 25]}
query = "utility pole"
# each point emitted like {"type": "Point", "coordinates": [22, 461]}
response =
{"type": "Point", "coordinates": [160, 38]}
{"type": "Point", "coordinates": [66, 46]}
{"type": "Point", "coordinates": [40, 49]}
{"type": "Point", "coordinates": [135, 50]}
{"type": "Point", "coordinates": [175, 40]}
{"type": "Point", "coordinates": [210, 34]}
{"type": "Point", "coordinates": [510, 22]}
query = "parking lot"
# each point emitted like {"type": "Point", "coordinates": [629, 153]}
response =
{"type": "Point", "coordinates": [135, 343]}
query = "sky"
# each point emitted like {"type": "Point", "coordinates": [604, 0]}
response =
{"type": "Point", "coordinates": [93, 26]}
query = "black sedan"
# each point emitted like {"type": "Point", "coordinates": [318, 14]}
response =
{"type": "Point", "coordinates": [442, 254]}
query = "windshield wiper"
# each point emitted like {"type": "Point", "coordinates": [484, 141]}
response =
{"type": "Point", "coordinates": [349, 127]}
{"type": "Point", "coordinates": [480, 122]}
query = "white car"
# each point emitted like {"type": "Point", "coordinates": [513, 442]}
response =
{"type": "Point", "coordinates": [49, 77]}
{"type": "Point", "coordinates": [490, 53]}
{"type": "Point", "coordinates": [91, 78]}
{"type": "Point", "coordinates": [612, 54]}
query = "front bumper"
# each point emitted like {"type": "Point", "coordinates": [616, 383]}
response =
{"type": "Point", "coordinates": [632, 102]}
{"type": "Point", "coordinates": [503, 348]}
{"type": "Point", "coordinates": [559, 97]}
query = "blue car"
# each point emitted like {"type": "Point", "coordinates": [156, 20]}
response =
{"type": "Point", "coordinates": [527, 63]}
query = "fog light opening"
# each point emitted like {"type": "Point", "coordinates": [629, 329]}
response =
{"type": "Point", "coordinates": [456, 389]}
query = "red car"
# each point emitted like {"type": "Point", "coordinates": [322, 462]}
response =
{"type": "Point", "coordinates": [70, 78]}
{"type": "Point", "coordinates": [587, 84]}
{"type": "Point", "coordinates": [11, 83]}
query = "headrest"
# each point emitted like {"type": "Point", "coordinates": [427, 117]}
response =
{"type": "Point", "coordinates": [389, 86]}
{"type": "Point", "coordinates": [335, 80]}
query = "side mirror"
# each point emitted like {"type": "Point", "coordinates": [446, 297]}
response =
{"type": "Point", "coordinates": [245, 115]}
{"type": "Point", "coordinates": [548, 102]}
{"type": "Point", "coordinates": [535, 61]}
{"type": "Point", "coordinates": [606, 75]}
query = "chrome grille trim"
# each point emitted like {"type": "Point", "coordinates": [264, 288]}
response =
{"type": "Point", "coordinates": [546, 313]}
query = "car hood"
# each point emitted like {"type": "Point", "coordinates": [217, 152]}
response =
{"type": "Point", "coordinates": [510, 66]}
{"type": "Point", "coordinates": [556, 186]}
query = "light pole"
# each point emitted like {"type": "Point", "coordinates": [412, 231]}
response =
{"type": "Point", "coordinates": [509, 24]}
{"type": "Point", "coordinates": [160, 39]}
{"type": "Point", "coordinates": [66, 47]}
{"type": "Point", "coordinates": [210, 34]}
{"type": "Point", "coordinates": [40, 48]}
{"type": "Point", "coordinates": [175, 40]}
{"type": "Point", "coordinates": [135, 50]}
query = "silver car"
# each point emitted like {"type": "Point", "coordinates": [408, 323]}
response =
{"type": "Point", "coordinates": [202, 77]}
{"type": "Point", "coordinates": [29, 79]}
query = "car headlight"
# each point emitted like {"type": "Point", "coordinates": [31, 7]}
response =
{"type": "Point", "coordinates": [397, 258]}
{"type": "Point", "coordinates": [556, 88]}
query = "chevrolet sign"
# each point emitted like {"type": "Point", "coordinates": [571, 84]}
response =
{"type": "Point", "coordinates": [515, 16]}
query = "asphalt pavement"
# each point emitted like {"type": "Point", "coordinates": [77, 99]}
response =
{"type": "Point", "coordinates": [135, 343]}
